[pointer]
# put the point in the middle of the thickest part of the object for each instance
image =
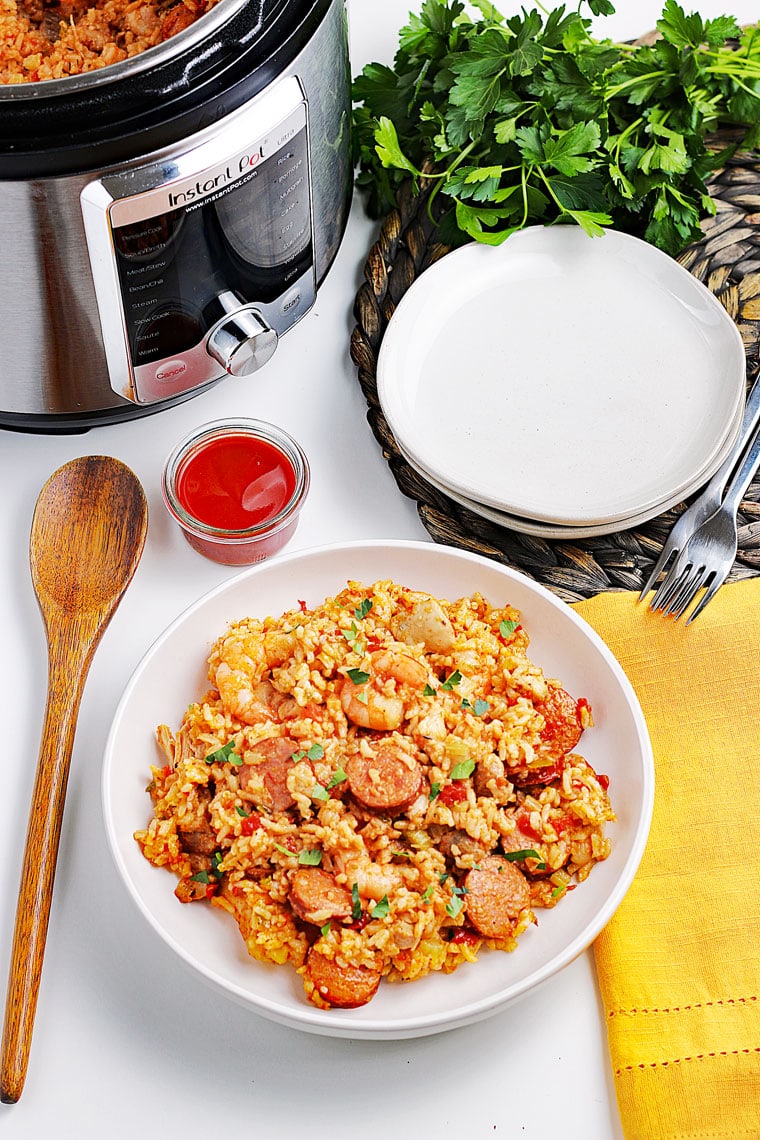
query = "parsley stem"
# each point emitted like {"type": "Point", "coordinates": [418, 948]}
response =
{"type": "Point", "coordinates": [611, 92]}
{"type": "Point", "coordinates": [444, 176]}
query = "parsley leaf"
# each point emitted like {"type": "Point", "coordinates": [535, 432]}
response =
{"type": "Point", "coordinates": [453, 906]}
{"type": "Point", "coordinates": [225, 754]}
{"type": "Point", "coordinates": [452, 681]}
{"type": "Point", "coordinates": [381, 908]}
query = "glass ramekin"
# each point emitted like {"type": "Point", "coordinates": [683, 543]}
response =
{"type": "Point", "coordinates": [204, 449]}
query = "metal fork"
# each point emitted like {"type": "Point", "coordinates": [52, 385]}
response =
{"type": "Point", "coordinates": [710, 499]}
{"type": "Point", "coordinates": [706, 560]}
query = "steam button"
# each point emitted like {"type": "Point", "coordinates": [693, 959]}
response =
{"type": "Point", "coordinates": [242, 342]}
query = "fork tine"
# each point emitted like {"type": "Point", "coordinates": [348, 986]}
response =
{"type": "Point", "coordinates": [708, 595]}
{"type": "Point", "coordinates": [665, 560]}
{"type": "Point", "coordinates": [687, 593]}
{"type": "Point", "coordinates": [670, 584]}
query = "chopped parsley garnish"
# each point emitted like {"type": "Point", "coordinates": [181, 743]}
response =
{"type": "Point", "coordinates": [216, 860]}
{"type": "Point", "coordinates": [316, 752]}
{"type": "Point", "coordinates": [453, 906]}
{"type": "Point", "coordinates": [284, 850]}
{"type": "Point", "coordinates": [241, 811]}
{"type": "Point", "coordinates": [319, 793]}
{"type": "Point", "coordinates": [428, 691]}
{"type": "Point", "coordinates": [507, 628]}
{"type": "Point", "coordinates": [463, 770]}
{"type": "Point", "coordinates": [481, 707]}
{"type": "Point", "coordinates": [325, 930]}
{"type": "Point", "coordinates": [381, 909]}
{"type": "Point", "coordinates": [356, 905]}
{"type": "Point", "coordinates": [452, 681]}
{"type": "Point", "coordinates": [200, 877]}
{"type": "Point", "coordinates": [357, 676]}
{"type": "Point", "coordinates": [528, 853]}
{"type": "Point", "coordinates": [310, 858]}
{"type": "Point", "coordinates": [363, 609]}
{"type": "Point", "coordinates": [434, 791]}
{"type": "Point", "coordinates": [352, 636]}
{"type": "Point", "coordinates": [337, 777]}
{"type": "Point", "coordinates": [225, 754]}
{"type": "Point", "coordinates": [428, 892]}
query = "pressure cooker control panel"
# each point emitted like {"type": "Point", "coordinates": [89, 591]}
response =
{"type": "Point", "coordinates": [202, 259]}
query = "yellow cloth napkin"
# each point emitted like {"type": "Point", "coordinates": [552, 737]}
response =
{"type": "Point", "coordinates": [679, 963]}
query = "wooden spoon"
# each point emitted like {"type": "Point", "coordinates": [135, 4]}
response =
{"type": "Point", "coordinates": [88, 532]}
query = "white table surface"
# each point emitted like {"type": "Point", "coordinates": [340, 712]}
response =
{"type": "Point", "coordinates": [127, 1038]}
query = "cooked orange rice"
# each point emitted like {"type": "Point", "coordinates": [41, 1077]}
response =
{"type": "Point", "coordinates": [377, 788]}
{"type": "Point", "coordinates": [41, 39]}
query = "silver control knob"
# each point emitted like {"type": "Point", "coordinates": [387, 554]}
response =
{"type": "Point", "coordinates": [242, 342]}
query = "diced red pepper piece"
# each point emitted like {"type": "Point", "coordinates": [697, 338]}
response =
{"type": "Point", "coordinates": [250, 824]}
{"type": "Point", "coordinates": [452, 794]}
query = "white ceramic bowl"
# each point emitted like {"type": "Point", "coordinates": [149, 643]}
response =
{"type": "Point", "coordinates": [173, 673]}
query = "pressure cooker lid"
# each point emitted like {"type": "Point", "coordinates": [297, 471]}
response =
{"type": "Point", "coordinates": [167, 92]}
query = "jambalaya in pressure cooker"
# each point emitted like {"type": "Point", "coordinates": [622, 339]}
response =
{"type": "Point", "coordinates": [42, 39]}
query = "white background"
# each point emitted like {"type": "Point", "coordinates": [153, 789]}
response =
{"type": "Point", "coordinates": [127, 1038]}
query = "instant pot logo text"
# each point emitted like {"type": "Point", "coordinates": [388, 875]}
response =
{"type": "Point", "coordinates": [215, 182]}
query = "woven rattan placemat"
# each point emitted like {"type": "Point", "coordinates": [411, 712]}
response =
{"type": "Point", "coordinates": [726, 260]}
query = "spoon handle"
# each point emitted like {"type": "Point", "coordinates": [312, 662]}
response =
{"type": "Point", "coordinates": [68, 667]}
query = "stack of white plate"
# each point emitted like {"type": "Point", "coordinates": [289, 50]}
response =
{"type": "Point", "coordinates": [562, 385]}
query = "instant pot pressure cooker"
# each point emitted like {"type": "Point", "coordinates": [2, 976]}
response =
{"type": "Point", "coordinates": [165, 220]}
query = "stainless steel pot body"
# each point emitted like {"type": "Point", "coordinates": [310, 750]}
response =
{"type": "Point", "coordinates": [54, 359]}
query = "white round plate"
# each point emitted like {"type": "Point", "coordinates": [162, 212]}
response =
{"type": "Point", "coordinates": [173, 673]}
{"type": "Point", "coordinates": [563, 378]}
{"type": "Point", "coordinates": [590, 530]}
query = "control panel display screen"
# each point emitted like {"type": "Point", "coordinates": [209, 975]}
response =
{"type": "Point", "coordinates": [242, 228]}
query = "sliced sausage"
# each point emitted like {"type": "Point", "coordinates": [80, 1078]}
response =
{"type": "Point", "coordinates": [388, 780]}
{"type": "Point", "coordinates": [344, 986]}
{"type": "Point", "coordinates": [496, 895]}
{"type": "Point", "coordinates": [316, 897]}
{"type": "Point", "coordinates": [563, 727]}
{"type": "Point", "coordinates": [274, 759]}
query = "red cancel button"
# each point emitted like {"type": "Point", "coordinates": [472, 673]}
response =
{"type": "Point", "coordinates": [170, 370]}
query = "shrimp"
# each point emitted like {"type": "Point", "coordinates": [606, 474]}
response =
{"type": "Point", "coordinates": [376, 703]}
{"type": "Point", "coordinates": [425, 623]}
{"type": "Point", "coordinates": [373, 880]}
{"type": "Point", "coordinates": [238, 667]}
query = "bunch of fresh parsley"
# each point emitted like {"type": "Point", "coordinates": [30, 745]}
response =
{"type": "Point", "coordinates": [531, 120]}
